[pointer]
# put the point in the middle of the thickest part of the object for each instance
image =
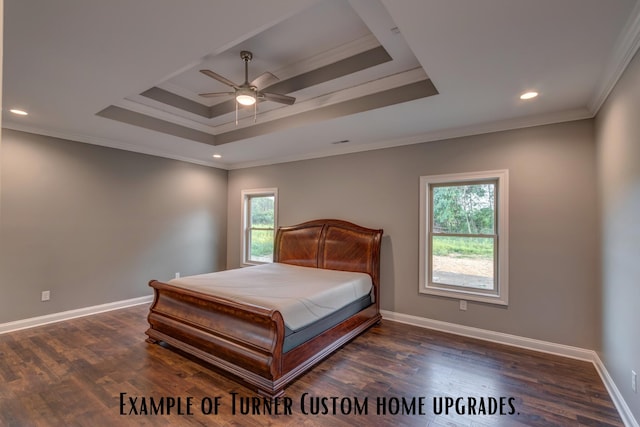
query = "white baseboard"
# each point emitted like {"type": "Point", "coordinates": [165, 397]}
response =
{"type": "Point", "coordinates": [623, 409]}
{"type": "Point", "coordinates": [497, 337]}
{"type": "Point", "coordinates": [71, 314]}
{"type": "Point", "coordinates": [527, 343]}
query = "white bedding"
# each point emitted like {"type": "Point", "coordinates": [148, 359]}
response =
{"type": "Point", "coordinates": [301, 294]}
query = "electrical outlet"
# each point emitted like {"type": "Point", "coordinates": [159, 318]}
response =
{"type": "Point", "coordinates": [463, 305]}
{"type": "Point", "coordinates": [46, 295]}
{"type": "Point", "coordinates": [177, 275]}
{"type": "Point", "coordinates": [634, 381]}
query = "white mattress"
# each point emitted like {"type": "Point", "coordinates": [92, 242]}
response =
{"type": "Point", "coordinates": [301, 294]}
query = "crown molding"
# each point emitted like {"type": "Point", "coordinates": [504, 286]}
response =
{"type": "Point", "coordinates": [511, 124]}
{"type": "Point", "coordinates": [516, 123]}
{"type": "Point", "coordinates": [109, 143]}
{"type": "Point", "coordinates": [626, 46]}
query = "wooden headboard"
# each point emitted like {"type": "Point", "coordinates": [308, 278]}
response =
{"type": "Point", "coordinates": [331, 244]}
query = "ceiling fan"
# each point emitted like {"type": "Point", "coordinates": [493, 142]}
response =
{"type": "Point", "coordinates": [248, 93]}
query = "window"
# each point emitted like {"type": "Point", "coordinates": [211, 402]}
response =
{"type": "Point", "coordinates": [463, 236]}
{"type": "Point", "coordinates": [259, 223]}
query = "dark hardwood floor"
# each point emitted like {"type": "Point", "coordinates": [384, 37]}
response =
{"type": "Point", "coordinates": [99, 371]}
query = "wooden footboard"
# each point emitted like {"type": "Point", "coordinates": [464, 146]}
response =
{"type": "Point", "coordinates": [246, 341]}
{"type": "Point", "coordinates": [242, 339]}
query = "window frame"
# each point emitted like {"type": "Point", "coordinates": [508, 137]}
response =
{"type": "Point", "coordinates": [500, 295]}
{"type": "Point", "coordinates": [246, 196]}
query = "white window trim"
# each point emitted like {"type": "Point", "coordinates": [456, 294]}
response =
{"type": "Point", "coordinates": [245, 194]}
{"type": "Point", "coordinates": [501, 296]}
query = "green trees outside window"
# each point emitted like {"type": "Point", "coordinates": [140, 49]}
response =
{"type": "Point", "coordinates": [463, 235]}
{"type": "Point", "coordinates": [261, 228]}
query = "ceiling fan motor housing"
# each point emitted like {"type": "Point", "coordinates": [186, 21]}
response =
{"type": "Point", "coordinates": [246, 55]}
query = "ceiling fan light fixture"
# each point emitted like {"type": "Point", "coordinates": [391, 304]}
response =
{"type": "Point", "coordinates": [245, 96]}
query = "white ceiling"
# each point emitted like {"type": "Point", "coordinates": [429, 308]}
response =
{"type": "Point", "coordinates": [67, 60]}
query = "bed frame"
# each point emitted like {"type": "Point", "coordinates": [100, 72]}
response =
{"type": "Point", "coordinates": [245, 341]}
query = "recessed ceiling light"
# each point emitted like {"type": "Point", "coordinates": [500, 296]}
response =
{"type": "Point", "coordinates": [529, 95]}
{"type": "Point", "coordinates": [18, 112]}
{"type": "Point", "coordinates": [217, 156]}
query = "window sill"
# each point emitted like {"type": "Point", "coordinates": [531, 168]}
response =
{"type": "Point", "coordinates": [254, 263]}
{"type": "Point", "coordinates": [466, 295]}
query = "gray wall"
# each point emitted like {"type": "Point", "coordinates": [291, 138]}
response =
{"type": "Point", "coordinates": [618, 142]}
{"type": "Point", "coordinates": [93, 225]}
{"type": "Point", "coordinates": [554, 286]}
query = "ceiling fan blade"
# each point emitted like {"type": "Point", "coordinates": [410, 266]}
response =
{"type": "Point", "coordinates": [265, 79]}
{"type": "Point", "coordinates": [214, 94]}
{"type": "Point", "coordinates": [219, 78]}
{"type": "Point", "coordinates": [276, 97]}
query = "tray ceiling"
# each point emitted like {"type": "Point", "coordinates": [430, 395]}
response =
{"type": "Point", "coordinates": [332, 70]}
{"type": "Point", "coordinates": [375, 73]}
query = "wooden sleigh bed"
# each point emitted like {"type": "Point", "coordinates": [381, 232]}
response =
{"type": "Point", "coordinates": [247, 341]}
